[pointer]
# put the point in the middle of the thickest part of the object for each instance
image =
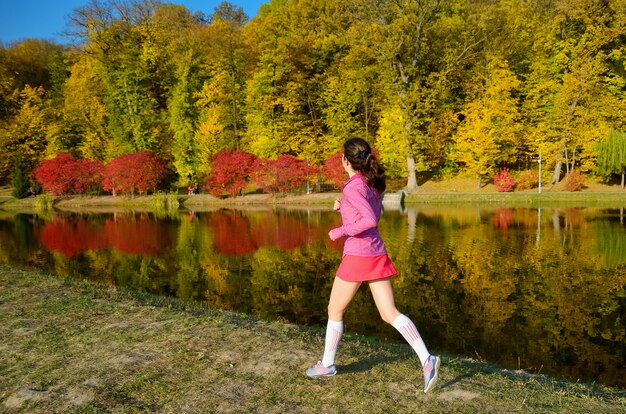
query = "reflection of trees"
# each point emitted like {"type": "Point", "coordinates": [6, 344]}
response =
{"type": "Point", "coordinates": [136, 234]}
{"type": "Point", "coordinates": [503, 218]}
{"type": "Point", "coordinates": [292, 285]}
{"type": "Point", "coordinates": [611, 245]}
{"type": "Point", "coordinates": [504, 297]}
{"type": "Point", "coordinates": [237, 234]}
{"type": "Point", "coordinates": [555, 303]}
{"type": "Point", "coordinates": [71, 237]}
{"type": "Point", "coordinates": [17, 240]}
{"type": "Point", "coordinates": [280, 230]}
{"type": "Point", "coordinates": [232, 235]}
{"type": "Point", "coordinates": [188, 250]}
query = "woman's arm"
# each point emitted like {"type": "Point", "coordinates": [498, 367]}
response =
{"type": "Point", "coordinates": [355, 197]}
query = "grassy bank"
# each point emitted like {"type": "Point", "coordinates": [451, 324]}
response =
{"type": "Point", "coordinates": [204, 202]}
{"type": "Point", "coordinates": [458, 190]}
{"type": "Point", "coordinates": [74, 346]}
{"type": "Point", "coordinates": [530, 199]}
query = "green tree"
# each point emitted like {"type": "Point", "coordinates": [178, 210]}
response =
{"type": "Point", "coordinates": [221, 98]}
{"type": "Point", "coordinates": [120, 35]}
{"type": "Point", "coordinates": [20, 181]}
{"type": "Point", "coordinates": [294, 44]}
{"type": "Point", "coordinates": [612, 155]}
{"type": "Point", "coordinates": [574, 89]}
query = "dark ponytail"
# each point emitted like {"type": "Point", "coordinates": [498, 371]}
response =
{"type": "Point", "coordinates": [359, 153]}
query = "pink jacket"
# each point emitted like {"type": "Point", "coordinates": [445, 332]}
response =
{"type": "Point", "coordinates": [360, 212]}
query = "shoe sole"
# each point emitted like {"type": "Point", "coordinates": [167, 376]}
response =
{"type": "Point", "coordinates": [313, 375]}
{"type": "Point", "coordinates": [433, 382]}
{"type": "Point", "coordinates": [320, 376]}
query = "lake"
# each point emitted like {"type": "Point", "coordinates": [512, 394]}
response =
{"type": "Point", "coordinates": [543, 290]}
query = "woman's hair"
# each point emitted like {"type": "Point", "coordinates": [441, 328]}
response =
{"type": "Point", "coordinates": [359, 153]}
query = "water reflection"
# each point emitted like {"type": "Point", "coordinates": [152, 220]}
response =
{"type": "Point", "coordinates": [537, 289]}
{"type": "Point", "coordinates": [136, 234]}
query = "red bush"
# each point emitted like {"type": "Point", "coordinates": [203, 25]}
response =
{"type": "Point", "coordinates": [333, 170]}
{"type": "Point", "coordinates": [528, 180]}
{"type": "Point", "coordinates": [503, 181]}
{"type": "Point", "coordinates": [282, 174]}
{"type": "Point", "coordinates": [134, 172]}
{"type": "Point", "coordinates": [66, 175]}
{"type": "Point", "coordinates": [574, 181]}
{"type": "Point", "coordinates": [230, 172]}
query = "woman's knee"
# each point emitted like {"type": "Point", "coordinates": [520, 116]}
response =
{"type": "Point", "coordinates": [335, 313]}
{"type": "Point", "coordinates": [389, 315]}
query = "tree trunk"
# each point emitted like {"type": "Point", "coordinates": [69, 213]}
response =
{"type": "Point", "coordinates": [557, 173]}
{"type": "Point", "coordinates": [480, 181]}
{"type": "Point", "coordinates": [622, 180]}
{"type": "Point", "coordinates": [411, 185]}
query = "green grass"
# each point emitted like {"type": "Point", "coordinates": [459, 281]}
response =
{"type": "Point", "coordinates": [74, 346]}
{"type": "Point", "coordinates": [530, 199]}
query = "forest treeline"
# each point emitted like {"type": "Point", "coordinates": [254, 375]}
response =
{"type": "Point", "coordinates": [439, 87]}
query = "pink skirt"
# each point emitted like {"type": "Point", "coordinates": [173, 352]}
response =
{"type": "Point", "coordinates": [365, 268]}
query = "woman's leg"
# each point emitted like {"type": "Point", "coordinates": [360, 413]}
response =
{"type": "Point", "coordinates": [382, 291]}
{"type": "Point", "coordinates": [340, 297]}
{"type": "Point", "coordinates": [383, 296]}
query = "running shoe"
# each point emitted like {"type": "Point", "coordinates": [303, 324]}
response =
{"type": "Point", "coordinates": [431, 372]}
{"type": "Point", "coordinates": [320, 370]}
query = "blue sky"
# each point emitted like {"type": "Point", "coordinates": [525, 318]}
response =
{"type": "Point", "coordinates": [46, 19]}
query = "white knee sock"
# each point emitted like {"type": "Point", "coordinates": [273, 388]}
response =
{"type": "Point", "coordinates": [334, 331]}
{"type": "Point", "coordinates": [412, 336]}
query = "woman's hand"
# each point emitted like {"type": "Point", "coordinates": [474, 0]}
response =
{"type": "Point", "coordinates": [335, 233]}
{"type": "Point", "coordinates": [337, 205]}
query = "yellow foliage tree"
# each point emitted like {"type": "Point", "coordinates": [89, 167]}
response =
{"type": "Point", "coordinates": [489, 133]}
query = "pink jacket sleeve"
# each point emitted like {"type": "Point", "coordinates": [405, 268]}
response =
{"type": "Point", "coordinates": [356, 199]}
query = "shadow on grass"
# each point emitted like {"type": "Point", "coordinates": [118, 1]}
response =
{"type": "Point", "coordinates": [456, 380]}
{"type": "Point", "coordinates": [366, 364]}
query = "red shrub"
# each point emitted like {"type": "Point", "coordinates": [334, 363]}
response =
{"type": "Point", "coordinates": [333, 170]}
{"type": "Point", "coordinates": [529, 179]}
{"type": "Point", "coordinates": [503, 181]}
{"type": "Point", "coordinates": [282, 174]}
{"type": "Point", "coordinates": [574, 181]}
{"type": "Point", "coordinates": [66, 175]}
{"type": "Point", "coordinates": [230, 172]}
{"type": "Point", "coordinates": [134, 172]}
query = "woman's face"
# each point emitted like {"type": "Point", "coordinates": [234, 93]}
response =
{"type": "Point", "coordinates": [346, 164]}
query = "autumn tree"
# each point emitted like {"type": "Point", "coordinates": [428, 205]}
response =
{"type": "Point", "coordinates": [65, 175]}
{"type": "Point", "coordinates": [284, 173]}
{"type": "Point", "coordinates": [293, 44]}
{"type": "Point", "coordinates": [573, 89]}
{"type": "Point", "coordinates": [333, 171]}
{"type": "Point", "coordinates": [119, 35]}
{"type": "Point", "coordinates": [489, 133]}
{"type": "Point", "coordinates": [24, 134]}
{"type": "Point", "coordinates": [136, 172]}
{"type": "Point", "coordinates": [84, 109]}
{"type": "Point", "coordinates": [222, 97]}
{"type": "Point", "coordinates": [230, 172]}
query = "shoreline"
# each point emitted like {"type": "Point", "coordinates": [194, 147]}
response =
{"type": "Point", "coordinates": [78, 346]}
{"type": "Point", "coordinates": [452, 191]}
{"type": "Point", "coordinates": [325, 200]}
